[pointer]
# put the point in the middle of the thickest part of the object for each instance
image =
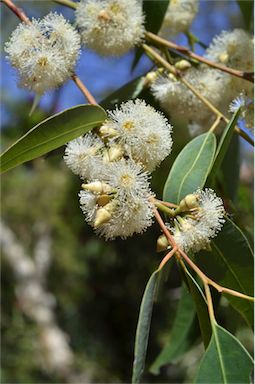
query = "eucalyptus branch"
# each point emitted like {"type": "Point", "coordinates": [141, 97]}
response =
{"type": "Point", "coordinates": [17, 11]}
{"type": "Point", "coordinates": [166, 258]}
{"type": "Point", "coordinates": [159, 59]}
{"type": "Point", "coordinates": [209, 303]}
{"type": "Point", "coordinates": [67, 3]}
{"type": "Point", "coordinates": [84, 89]}
{"type": "Point", "coordinates": [249, 76]}
{"type": "Point", "coordinates": [164, 208]}
{"type": "Point", "coordinates": [206, 280]}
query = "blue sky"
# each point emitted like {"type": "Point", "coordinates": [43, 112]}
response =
{"type": "Point", "coordinates": [103, 75]}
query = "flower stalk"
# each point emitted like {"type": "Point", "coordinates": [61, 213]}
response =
{"type": "Point", "coordinates": [249, 76]}
{"type": "Point", "coordinates": [160, 60]}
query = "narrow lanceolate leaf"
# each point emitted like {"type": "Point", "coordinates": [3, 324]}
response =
{"type": "Point", "coordinates": [201, 308]}
{"type": "Point", "coordinates": [143, 328]}
{"type": "Point", "coordinates": [129, 91]}
{"type": "Point", "coordinates": [191, 168]}
{"type": "Point", "coordinates": [224, 143]}
{"type": "Point", "coordinates": [230, 263]}
{"type": "Point", "coordinates": [154, 12]}
{"type": "Point", "coordinates": [230, 169]}
{"type": "Point", "coordinates": [226, 361]}
{"type": "Point", "coordinates": [182, 334]}
{"type": "Point", "coordinates": [52, 133]}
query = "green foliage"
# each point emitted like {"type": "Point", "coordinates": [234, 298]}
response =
{"type": "Point", "coordinates": [143, 328]}
{"type": "Point", "coordinates": [52, 133]}
{"type": "Point", "coordinates": [224, 143]}
{"type": "Point", "coordinates": [225, 361]}
{"type": "Point", "coordinates": [246, 7]}
{"type": "Point", "coordinates": [190, 168]}
{"type": "Point", "coordinates": [154, 12]}
{"type": "Point", "coordinates": [182, 333]}
{"type": "Point", "coordinates": [231, 264]}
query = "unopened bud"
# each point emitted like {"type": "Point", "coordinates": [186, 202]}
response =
{"type": "Point", "coordinates": [189, 202]}
{"type": "Point", "coordinates": [102, 200]}
{"type": "Point", "coordinates": [106, 131]}
{"type": "Point", "coordinates": [97, 187]}
{"type": "Point", "coordinates": [162, 243]}
{"type": "Point", "coordinates": [182, 65]}
{"type": "Point", "coordinates": [115, 152]}
{"type": "Point", "coordinates": [150, 77]}
{"type": "Point", "coordinates": [104, 16]}
{"type": "Point", "coordinates": [104, 214]}
{"type": "Point", "coordinates": [172, 77]}
{"type": "Point", "coordinates": [223, 57]}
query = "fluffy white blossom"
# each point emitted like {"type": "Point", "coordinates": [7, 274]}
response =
{"type": "Point", "coordinates": [204, 221]}
{"type": "Point", "coordinates": [110, 27]}
{"type": "Point", "coordinates": [179, 16]}
{"type": "Point", "coordinates": [178, 101]}
{"type": "Point", "coordinates": [129, 210]}
{"type": "Point", "coordinates": [232, 48]}
{"type": "Point", "coordinates": [144, 133]}
{"type": "Point", "coordinates": [44, 52]}
{"type": "Point", "coordinates": [83, 156]}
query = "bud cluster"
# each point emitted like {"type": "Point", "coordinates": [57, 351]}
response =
{"type": "Point", "coordinates": [198, 218]}
{"type": "Point", "coordinates": [233, 49]}
{"type": "Point", "coordinates": [115, 163]}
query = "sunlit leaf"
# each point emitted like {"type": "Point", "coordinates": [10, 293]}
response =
{"type": "Point", "coordinates": [191, 168]}
{"type": "Point", "coordinates": [52, 133]}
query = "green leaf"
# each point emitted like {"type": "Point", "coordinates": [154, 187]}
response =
{"type": "Point", "coordinates": [52, 133]}
{"type": "Point", "coordinates": [182, 333]}
{"type": "Point", "coordinates": [246, 7]}
{"type": "Point", "coordinates": [129, 91]}
{"type": "Point", "coordinates": [143, 327]}
{"type": "Point", "coordinates": [224, 143]}
{"type": "Point", "coordinates": [201, 308]}
{"type": "Point", "coordinates": [225, 361]}
{"type": "Point", "coordinates": [231, 265]}
{"type": "Point", "coordinates": [191, 168]}
{"type": "Point", "coordinates": [154, 12]}
{"type": "Point", "coordinates": [231, 168]}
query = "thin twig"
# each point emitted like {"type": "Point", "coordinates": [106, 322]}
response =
{"type": "Point", "coordinates": [159, 59]}
{"type": "Point", "coordinates": [66, 3]}
{"type": "Point", "coordinates": [249, 76]}
{"type": "Point", "coordinates": [18, 11]}
{"type": "Point", "coordinates": [166, 258]}
{"type": "Point", "coordinates": [84, 89]}
{"type": "Point", "coordinates": [202, 275]}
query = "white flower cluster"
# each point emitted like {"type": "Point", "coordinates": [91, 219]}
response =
{"type": "Point", "coordinates": [44, 52]}
{"type": "Point", "coordinates": [234, 49]}
{"type": "Point", "coordinates": [115, 164]}
{"type": "Point", "coordinates": [179, 17]}
{"type": "Point", "coordinates": [203, 217]}
{"type": "Point", "coordinates": [110, 27]}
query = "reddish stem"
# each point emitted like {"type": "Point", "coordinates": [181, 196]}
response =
{"type": "Point", "coordinates": [18, 11]}
{"type": "Point", "coordinates": [84, 89]}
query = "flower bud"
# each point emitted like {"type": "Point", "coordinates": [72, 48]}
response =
{"type": "Point", "coordinates": [115, 152]}
{"type": "Point", "coordinates": [97, 187]}
{"type": "Point", "coordinates": [104, 214]}
{"type": "Point", "coordinates": [151, 77]}
{"type": "Point", "coordinates": [104, 16]}
{"type": "Point", "coordinates": [104, 199]}
{"type": "Point", "coordinates": [189, 202]}
{"type": "Point", "coordinates": [223, 57]}
{"type": "Point", "coordinates": [162, 243]}
{"type": "Point", "coordinates": [182, 65]}
{"type": "Point", "coordinates": [106, 131]}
